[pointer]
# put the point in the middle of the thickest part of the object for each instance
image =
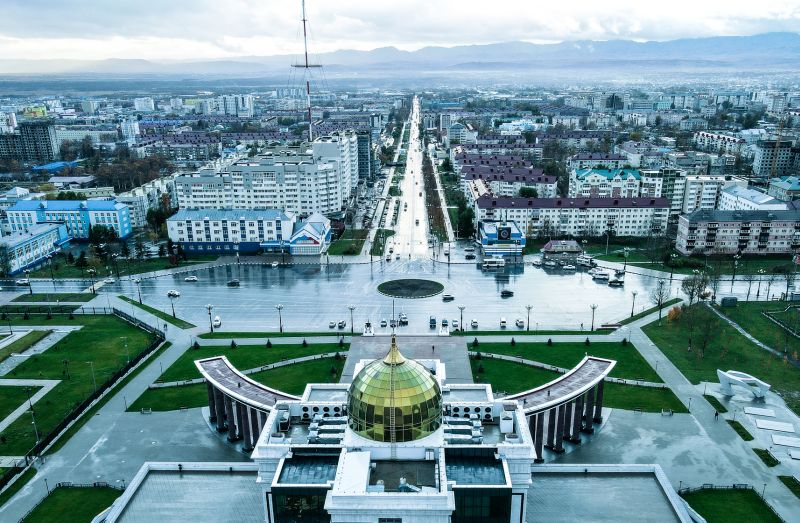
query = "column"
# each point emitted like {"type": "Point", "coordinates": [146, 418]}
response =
{"type": "Point", "coordinates": [231, 418]}
{"type": "Point", "coordinates": [255, 428]}
{"type": "Point", "coordinates": [598, 404]}
{"type": "Point", "coordinates": [551, 429]}
{"type": "Point", "coordinates": [576, 420]}
{"type": "Point", "coordinates": [559, 447]}
{"type": "Point", "coordinates": [212, 413]}
{"type": "Point", "coordinates": [219, 408]}
{"type": "Point", "coordinates": [538, 440]}
{"type": "Point", "coordinates": [588, 412]}
{"type": "Point", "coordinates": [262, 420]}
{"type": "Point", "coordinates": [568, 421]}
{"type": "Point", "coordinates": [240, 421]}
{"type": "Point", "coordinates": [247, 442]}
{"type": "Point", "coordinates": [532, 424]}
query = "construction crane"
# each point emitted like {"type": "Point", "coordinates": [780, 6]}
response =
{"type": "Point", "coordinates": [774, 168]}
{"type": "Point", "coordinates": [307, 67]}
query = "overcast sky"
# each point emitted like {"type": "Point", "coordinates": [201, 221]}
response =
{"type": "Point", "coordinates": [203, 29]}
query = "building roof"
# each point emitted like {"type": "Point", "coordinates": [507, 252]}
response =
{"type": "Point", "coordinates": [598, 156]}
{"type": "Point", "coordinates": [751, 195]}
{"type": "Point", "coordinates": [19, 237]}
{"type": "Point", "coordinates": [228, 214]}
{"type": "Point", "coordinates": [787, 183]}
{"type": "Point", "coordinates": [741, 216]}
{"type": "Point", "coordinates": [67, 205]}
{"type": "Point", "coordinates": [488, 201]}
{"type": "Point", "coordinates": [608, 173]}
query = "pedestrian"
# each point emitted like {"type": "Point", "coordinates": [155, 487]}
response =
{"type": "Point", "coordinates": [716, 415]}
{"type": "Point", "coordinates": [433, 349]}
{"type": "Point", "coordinates": [581, 325]}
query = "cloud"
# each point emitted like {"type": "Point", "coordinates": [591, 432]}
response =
{"type": "Point", "coordinates": [207, 29]}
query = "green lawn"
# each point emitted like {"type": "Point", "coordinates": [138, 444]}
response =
{"type": "Point", "coordinates": [748, 316]}
{"type": "Point", "coordinates": [76, 504]}
{"type": "Point", "coordinates": [740, 430]}
{"type": "Point", "coordinates": [630, 364]}
{"type": "Point", "coordinates": [24, 343]}
{"type": "Point", "coordinates": [651, 310]}
{"type": "Point", "coordinates": [291, 379]}
{"type": "Point", "coordinates": [791, 483]}
{"type": "Point", "coordinates": [728, 506]}
{"type": "Point", "coordinates": [521, 332]}
{"type": "Point", "coordinates": [748, 265]}
{"type": "Point", "coordinates": [56, 296]}
{"type": "Point", "coordinates": [17, 486]}
{"type": "Point", "coordinates": [727, 349]}
{"type": "Point", "coordinates": [243, 357]}
{"type": "Point", "coordinates": [719, 407]}
{"type": "Point", "coordinates": [513, 377]}
{"type": "Point", "coordinates": [62, 269]}
{"type": "Point", "coordinates": [350, 243]}
{"type": "Point", "coordinates": [768, 459]}
{"type": "Point", "coordinates": [181, 324]}
{"type": "Point", "coordinates": [13, 397]}
{"type": "Point", "coordinates": [381, 236]}
{"type": "Point", "coordinates": [99, 341]}
{"type": "Point", "coordinates": [217, 335]}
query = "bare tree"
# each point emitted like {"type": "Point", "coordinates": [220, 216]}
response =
{"type": "Point", "coordinates": [693, 286]}
{"type": "Point", "coordinates": [708, 328]}
{"type": "Point", "coordinates": [659, 295]}
{"type": "Point", "coordinates": [790, 275]}
{"type": "Point", "coordinates": [770, 280]}
{"type": "Point", "coordinates": [750, 276]}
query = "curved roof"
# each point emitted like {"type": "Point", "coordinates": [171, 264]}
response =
{"type": "Point", "coordinates": [222, 375]}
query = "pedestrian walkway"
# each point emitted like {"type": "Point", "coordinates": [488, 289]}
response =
{"type": "Point", "coordinates": [744, 333]}
{"type": "Point", "coordinates": [46, 386]}
{"type": "Point", "coordinates": [16, 359]}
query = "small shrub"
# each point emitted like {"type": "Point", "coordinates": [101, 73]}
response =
{"type": "Point", "coordinates": [269, 344]}
{"type": "Point", "coordinates": [233, 345]}
{"type": "Point", "coordinates": [549, 342]}
{"type": "Point", "coordinates": [305, 343]}
{"type": "Point", "coordinates": [587, 342]}
{"type": "Point", "coordinates": [513, 342]}
{"type": "Point", "coordinates": [478, 356]}
{"type": "Point", "coordinates": [624, 342]}
{"type": "Point", "coordinates": [333, 370]}
{"type": "Point", "coordinates": [71, 316]}
{"type": "Point", "coordinates": [674, 314]}
{"type": "Point", "coordinates": [480, 368]}
{"type": "Point", "coordinates": [475, 342]}
{"type": "Point", "coordinates": [337, 356]}
{"type": "Point", "coordinates": [341, 342]}
{"type": "Point", "coordinates": [196, 345]}
{"type": "Point", "coordinates": [26, 316]}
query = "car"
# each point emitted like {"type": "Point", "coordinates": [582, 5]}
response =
{"type": "Point", "coordinates": [520, 323]}
{"type": "Point", "coordinates": [217, 321]}
{"type": "Point", "coordinates": [342, 324]}
{"type": "Point", "coordinates": [454, 324]}
{"type": "Point", "coordinates": [474, 324]}
{"type": "Point", "coordinates": [331, 324]}
{"type": "Point", "coordinates": [506, 293]}
{"type": "Point", "coordinates": [173, 294]}
{"type": "Point", "coordinates": [233, 283]}
{"type": "Point", "coordinates": [274, 264]}
{"type": "Point", "coordinates": [388, 257]}
{"type": "Point", "coordinates": [503, 323]}
{"type": "Point", "coordinates": [469, 256]}
{"type": "Point", "coordinates": [137, 280]}
{"type": "Point", "coordinates": [384, 323]}
{"type": "Point", "coordinates": [447, 252]}
{"type": "Point", "coordinates": [448, 297]}
{"type": "Point", "coordinates": [403, 318]}
{"type": "Point", "coordinates": [432, 322]}
{"type": "Point", "coordinates": [397, 256]}
{"type": "Point", "coordinates": [393, 323]}
{"type": "Point", "coordinates": [469, 249]}
{"type": "Point", "coordinates": [190, 278]}
{"type": "Point", "coordinates": [416, 222]}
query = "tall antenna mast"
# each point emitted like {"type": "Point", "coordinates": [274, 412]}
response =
{"type": "Point", "coordinates": [307, 66]}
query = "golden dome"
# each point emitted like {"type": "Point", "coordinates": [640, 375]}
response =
{"type": "Point", "coordinates": [394, 382]}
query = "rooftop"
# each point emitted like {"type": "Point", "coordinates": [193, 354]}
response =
{"type": "Point", "coordinates": [741, 216]}
{"type": "Point", "coordinates": [468, 470]}
{"type": "Point", "coordinates": [308, 470]}
{"type": "Point", "coordinates": [228, 214]}
{"type": "Point", "coordinates": [416, 473]}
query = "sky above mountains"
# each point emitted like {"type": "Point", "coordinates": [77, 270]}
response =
{"type": "Point", "coordinates": [210, 29]}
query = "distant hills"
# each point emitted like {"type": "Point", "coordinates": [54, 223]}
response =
{"type": "Point", "coordinates": [763, 52]}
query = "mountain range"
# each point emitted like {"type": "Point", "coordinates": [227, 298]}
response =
{"type": "Point", "coordinates": [779, 51]}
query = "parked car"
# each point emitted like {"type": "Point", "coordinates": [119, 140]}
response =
{"type": "Point", "coordinates": [217, 321]}
{"type": "Point", "coordinates": [503, 323]}
{"type": "Point", "coordinates": [342, 324]}
{"type": "Point", "coordinates": [331, 324]}
{"type": "Point", "coordinates": [520, 323]}
{"type": "Point", "coordinates": [190, 278]}
{"type": "Point", "coordinates": [384, 323]}
{"type": "Point", "coordinates": [173, 294]}
{"type": "Point", "coordinates": [109, 280]}
{"type": "Point", "coordinates": [444, 322]}
{"type": "Point", "coordinates": [454, 324]}
{"type": "Point", "coordinates": [432, 322]}
{"type": "Point", "coordinates": [469, 256]}
{"type": "Point", "coordinates": [474, 324]}
{"type": "Point", "coordinates": [448, 297]}
{"type": "Point", "coordinates": [23, 281]}
{"type": "Point", "coordinates": [403, 319]}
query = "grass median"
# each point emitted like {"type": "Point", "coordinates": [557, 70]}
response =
{"type": "Point", "coordinates": [349, 243]}
{"type": "Point", "coordinates": [182, 324]}
{"type": "Point", "coordinates": [24, 343]}
{"type": "Point", "coordinates": [217, 335]}
{"type": "Point", "coordinates": [291, 379]}
{"type": "Point", "coordinates": [77, 504]}
{"type": "Point", "coordinates": [13, 397]}
{"type": "Point", "coordinates": [725, 506]}
{"type": "Point", "coordinates": [53, 297]}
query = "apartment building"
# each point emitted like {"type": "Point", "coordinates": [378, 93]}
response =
{"type": "Point", "coordinates": [604, 183]}
{"type": "Point", "coordinates": [775, 158]}
{"type": "Point", "coordinates": [508, 181]}
{"type": "Point", "coordinates": [33, 141]}
{"type": "Point", "coordinates": [26, 249]}
{"type": "Point", "coordinates": [785, 188]}
{"type": "Point", "coordinates": [718, 142]}
{"type": "Point", "coordinates": [152, 195]}
{"type": "Point", "coordinates": [738, 198]}
{"type": "Point", "coordinates": [703, 191]}
{"type": "Point", "coordinates": [577, 216]}
{"type": "Point", "coordinates": [743, 232]}
{"type": "Point", "coordinates": [78, 216]}
{"type": "Point", "coordinates": [596, 161]}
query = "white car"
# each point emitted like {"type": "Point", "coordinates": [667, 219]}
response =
{"type": "Point", "coordinates": [454, 324]}
{"type": "Point", "coordinates": [109, 280]}
{"type": "Point", "coordinates": [217, 321]}
{"type": "Point", "coordinates": [173, 294]}
{"type": "Point", "coordinates": [190, 278]}
{"type": "Point", "coordinates": [384, 323]}
{"type": "Point", "coordinates": [331, 324]}
{"type": "Point", "coordinates": [474, 324]}
{"type": "Point", "coordinates": [274, 265]}
{"type": "Point", "coordinates": [23, 281]}
{"type": "Point", "coordinates": [520, 323]}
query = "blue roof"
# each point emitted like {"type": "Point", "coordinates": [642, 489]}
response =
{"type": "Point", "coordinates": [608, 173]}
{"type": "Point", "coordinates": [55, 166]}
{"type": "Point", "coordinates": [228, 214]}
{"type": "Point", "coordinates": [66, 205]}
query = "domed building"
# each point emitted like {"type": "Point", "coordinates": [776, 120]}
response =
{"type": "Point", "coordinates": [394, 399]}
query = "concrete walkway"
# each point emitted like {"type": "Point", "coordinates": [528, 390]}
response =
{"type": "Point", "coordinates": [16, 359]}
{"type": "Point", "coordinates": [46, 386]}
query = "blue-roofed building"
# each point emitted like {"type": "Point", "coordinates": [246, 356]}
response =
{"type": "Point", "coordinates": [248, 231]}
{"type": "Point", "coordinates": [78, 216]}
{"type": "Point", "coordinates": [501, 238]}
{"type": "Point", "coordinates": [54, 167]}
{"type": "Point", "coordinates": [785, 188]}
{"type": "Point", "coordinates": [31, 247]}
{"type": "Point", "coordinates": [604, 183]}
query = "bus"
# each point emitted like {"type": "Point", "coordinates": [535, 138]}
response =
{"type": "Point", "coordinates": [494, 262]}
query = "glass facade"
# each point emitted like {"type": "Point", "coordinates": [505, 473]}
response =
{"type": "Point", "coordinates": [400, 384]}
{"type": "Point", "coordinates": [293, 505]}
{"type": "Point", "coordinates": [492, 505]}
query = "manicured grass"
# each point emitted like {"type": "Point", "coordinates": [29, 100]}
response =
{"type": "Point", "coordinates": [24, 343]}
{"type": "Point", "coordinates": [410, 288]}
{"type": "Point", "coordinates": [719, 407]}
{"type": "Point", "coordinates": [740, 430]}
{"type": "Point", "coordinates": [724, 264]}
{"type": "Point", "coordinates": [350, 243]}
{"type": "Point", "coordinates": [651, 310]}
{"type": "Point", "coordinates": [630, 364]}
{"type": "Point", "coordinates": [243, 357]}
{"type": "Point", "coordinates": [217, 335]}
{"type": "Point", "coordinates": [727, 506]}
{"type": "Point", "coordinates": [791, 483]}
{"type": "Point", "coordinates": [768, 459]}
{"type": "Point", "coordinates": [13, 397]}
{"type": "Point", "coordinates": [522, 332]}
{"type": "Point", "coordinates": [97, 406]}
{"type": "Point", "coordinates": [182, 324]}
{"type": "Point", "coordinates": [77, 504]}
{"type": "Point", "coordinates": [99, 341]}
{"type": "Point", "coordinates": [511, 377]}
{"type": "Point", "coordinates": [56, 296]}
{"type": "Point", "coordinates": [291, 380]}
{"type": "Point", "coordinates": [17, 486]}
{"type": "Point", "coordinates": [748, 316]}
{"type": "Point", "coordinates": [381, 235]}
{"type": "Point", "coordinates": [62, 269]}
{"type": "Point", "coordinates": [726, 349]}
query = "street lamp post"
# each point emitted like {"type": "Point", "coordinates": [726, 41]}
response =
{"type": "Point", "coordinates": [94, 380]}
{"type": "Point", "coordinates": [760, 276]}
{"type": "Point", "coordinates": [672, 265]}
{"type": "Point", "coordinates": [461, 311]}
{"type": "Point", "coordinates": [352, 308]}
{"type": "Point", "coordinates": [28, 277]}
{"type": "Point", "coordinates": [139, 289]}
{"type": "Point", "coordinates": [280, 317]}
{"type": "Point", "coordinates": [735, 264]}
{"type": "Point", "coordinates": [127, 354]}
{"type": "Point", "coordinates": [209, 308]}
{"type": "Point", "coordinates": [172, 302]}
{"type": "Point", "coordinates": [625, 253]}
{"type": "Point", "coordinates": [35, 428]}
{"type": "Point", "coordinates": [91, 277]}
{"type": "Point", "coordinates": [528, 325]}
{"type": "Point", "coordinates": [593, 306]}
{"type": "Point", "coordinates": [52, 276]}
{"type": "Point", "coordinates": [633, 302]}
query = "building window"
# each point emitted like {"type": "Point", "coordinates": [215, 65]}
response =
{"type": "Point", "coordinates": [390, 520]}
